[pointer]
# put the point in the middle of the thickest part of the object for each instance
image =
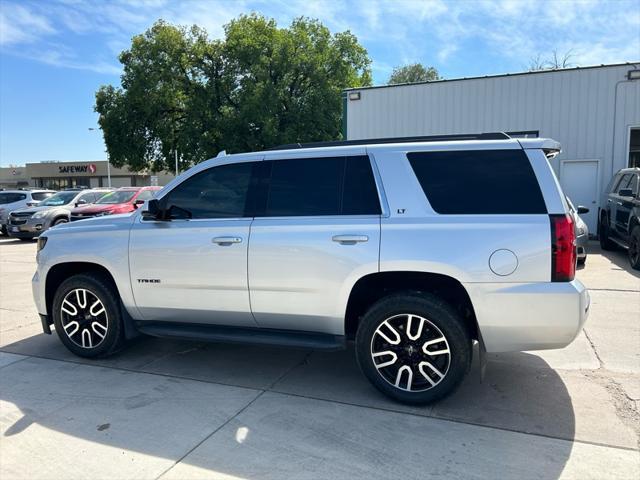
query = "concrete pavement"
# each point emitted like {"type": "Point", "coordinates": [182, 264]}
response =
{"type": "Point", "coordinates": [189, 410]}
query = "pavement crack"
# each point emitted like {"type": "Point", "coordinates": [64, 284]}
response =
{"type": "Point", "coordinates": [593, 347]}
{"type": "Point", "coordinates": [626, 409]}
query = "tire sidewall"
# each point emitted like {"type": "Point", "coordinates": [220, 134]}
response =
{"type": "Point", "coordinates": [635, 237]}
{"type": "Point", "coordinates": [113, 315]}
{"type": "Point", "coordinates": [438, 313]}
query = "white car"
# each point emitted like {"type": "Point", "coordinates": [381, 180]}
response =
{"type": "Point", "coordinates": [11, 200]}
{"type": "Point", "coordinates": [412, 248]}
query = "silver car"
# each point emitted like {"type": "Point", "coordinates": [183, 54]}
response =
{"type": "Point", "coordinates": [11, 200]}
{"type": "Point", "coordinates": [28, 223]}
{"type": "Point", "coordinates": [582, 231]}
{"type": "Point", "coordinates": [411, 248]}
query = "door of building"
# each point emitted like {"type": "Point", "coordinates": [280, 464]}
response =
{"type": "Point", "coordinates": [579, 180]}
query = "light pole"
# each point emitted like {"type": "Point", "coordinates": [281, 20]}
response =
{"type": "Point", "coordinates": [91, 129]}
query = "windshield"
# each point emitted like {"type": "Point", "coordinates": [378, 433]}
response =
{"type": "Point", "coordinates": [60, 198]}
{"type": "Point", "coordinates": [119, 196]}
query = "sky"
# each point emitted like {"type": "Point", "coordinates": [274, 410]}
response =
{"type": "Point", "coordinates": [54, 54]}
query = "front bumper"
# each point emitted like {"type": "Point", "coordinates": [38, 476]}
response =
{"type": "Point", "coordinates": [29, 228]}
{"type": "Point", "coordinates": [529, 316]}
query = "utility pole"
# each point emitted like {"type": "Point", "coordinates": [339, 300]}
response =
{"type": "Point", "coordinates": [91, 129]}
{"type": "Point", "coordinates": [177, 172]}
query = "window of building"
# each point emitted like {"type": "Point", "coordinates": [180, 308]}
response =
{"type": "Point", "coordinates": [478, 182]}
{"type": "Point", "coordinates": [322, 186]}
{"type": "Point", "coordinates": [219, 192]}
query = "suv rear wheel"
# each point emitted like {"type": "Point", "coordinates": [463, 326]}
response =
{"type": "Point", "coordinates": [413, 347]}
{"type": "Point", "coordinates": [87, 316]}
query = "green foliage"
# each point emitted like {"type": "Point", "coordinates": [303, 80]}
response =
{"type": "Point", "coordinates": [413, 73]}
{"type": "Point", "coordinates": [260, 86]}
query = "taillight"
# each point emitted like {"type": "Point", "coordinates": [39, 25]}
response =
{"type": "Point", "coordinates": [563, 248]}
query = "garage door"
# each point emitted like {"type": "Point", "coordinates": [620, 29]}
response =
{"type": "Point", "coordinates": [579, 180]}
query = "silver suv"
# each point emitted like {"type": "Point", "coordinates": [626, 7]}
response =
{"type": "Point", "coordinates": [28, 223]}
{"type": "Point", "coordinates": [11, 200]}
{"type": "Point", "coordinates": [412, 248]}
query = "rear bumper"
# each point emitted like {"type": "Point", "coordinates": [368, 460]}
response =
{"type": "Point", "coordinates": [529, 316]}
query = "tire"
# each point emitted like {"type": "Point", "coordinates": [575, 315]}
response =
{"type": "Point", "coordinates": [634, 248]}
{"type": "Point", "coordinates": [582, 261]}
{"type": "Point", "coordinates": [59, 221]}
{"type": "Point", "coordinates": [431, 319]}
{"type": "Point", "coordinates": [603, 235]}
{"type": "Point", "coordinates": [82, 336]}
{"type": "Point", "coordinates": [3, 231]}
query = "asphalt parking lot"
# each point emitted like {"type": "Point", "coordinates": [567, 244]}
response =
{"type": "Point", "coordinates": [168, 409]}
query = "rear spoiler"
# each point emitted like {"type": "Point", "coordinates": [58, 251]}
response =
{"type": "Point", "coordinates": [550, 147]}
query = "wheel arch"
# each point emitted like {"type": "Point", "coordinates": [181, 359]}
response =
{"type": "Point", "coordinates": [62, 271]}
{"type": "Point", "coordinates": [369, 288]}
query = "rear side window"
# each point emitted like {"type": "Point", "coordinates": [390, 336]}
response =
{"type": "Point", "coordinates": [322, 186]}
{"type": "Point", "coordinates": [11, 197]}
{"type": "Point", "coordinates": [477, 182]}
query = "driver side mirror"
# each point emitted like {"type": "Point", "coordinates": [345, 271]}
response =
{"type": "Point", "coordinates": [626, 192]}
{"type": "Point", "coordinates": [154, 211]}
{"type": "Point", "coordinates": [80, 202]}
{"type": "Point", "coordinates": [582, 210]}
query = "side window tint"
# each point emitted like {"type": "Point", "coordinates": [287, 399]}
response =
{"type": "Point", "coordinates": [87, 197]}
{"type": "Point", "coordinates": [360, 195]}
{"type": "Point", "coordinates": [219, 192]}
{"type": "Point", "coordinates": [478, 182]}
{"type": "Point", "coordinates": [305, 187]}
{"type": "Point", "coordinates": [322, 186]}
{"type": "Point", "coordinates": [624, 182]}
{"type": "Point", "coordinates": [41, 195]}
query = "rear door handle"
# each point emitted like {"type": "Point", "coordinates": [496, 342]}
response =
{"type": "Point", "coordinates": [350, 239]}
{"type": "Point", "coordinates": [226, 240]}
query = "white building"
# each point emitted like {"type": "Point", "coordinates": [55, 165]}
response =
{"type": "Point", "coordinates": [594, 112]}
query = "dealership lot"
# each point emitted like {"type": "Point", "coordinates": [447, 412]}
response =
{"type": "Point", "coordinates": [174, 409]}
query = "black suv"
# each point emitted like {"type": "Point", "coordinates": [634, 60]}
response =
{"type": "Point", "coordinates": [619, 215]}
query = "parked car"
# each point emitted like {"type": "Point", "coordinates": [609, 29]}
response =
{"type": "Point", "coordinates": [14, 199]}
{"type": "Point", "coordinates": [582, 231]}
{"type": "Point", "coordinates": [412, 248]}
{"type": "Point", "coordinates": [28, 223]}
{"type": "Point", "coordinates": [619, 215]}
{"type": "Point", "coordinates": [123, 200]}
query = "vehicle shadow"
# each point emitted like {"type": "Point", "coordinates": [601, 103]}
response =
{"type": "Point", "coordinates": [164, 415]}
{"type": "Point", "coordinates": [618, 257]}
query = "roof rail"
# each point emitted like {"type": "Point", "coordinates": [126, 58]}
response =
{"type": "Point", "coordinates": [368, 141]}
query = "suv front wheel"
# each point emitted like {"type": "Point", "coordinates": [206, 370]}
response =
{"type": "Point", "coordinates": [87, 316]}
{"type": "Point", "coordinates": [413, 347]}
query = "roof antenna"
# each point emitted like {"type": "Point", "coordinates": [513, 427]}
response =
{"type": "Point", "coordinates": [222, 153]}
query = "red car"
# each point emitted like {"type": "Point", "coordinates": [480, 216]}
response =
{"type": "Point", "coordinates": [122, 200]}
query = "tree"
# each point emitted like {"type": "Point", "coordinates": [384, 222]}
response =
{"type": "Point", "coordinates": [413, 73]}
{"type": "Point", "coordinates": [553, 62]}
{"type": "Point", "coordinates": [260, 86]}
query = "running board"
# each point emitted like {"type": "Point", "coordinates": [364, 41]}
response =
{"type": "Point", "coordinates": [255, 336]}
{"type": "Point", "coordinates": [620, 243]}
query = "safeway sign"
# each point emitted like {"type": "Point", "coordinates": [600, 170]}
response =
{"type": "Point", "coordinates": [89, 168]}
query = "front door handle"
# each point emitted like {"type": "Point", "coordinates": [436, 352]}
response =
{"type": "Point", "coordinates": [349, 239]}
{"type": "Point", "coordinates": [619, 203]}
{"type": "Point", "coordinates": [225, 241]}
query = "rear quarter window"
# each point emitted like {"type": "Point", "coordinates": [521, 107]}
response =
{"type": "Point", "coordinates": [476, 182]}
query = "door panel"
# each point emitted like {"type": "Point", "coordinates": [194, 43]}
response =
{"type": "Point", "coordinates": [178, 272]}
{"type": "Point", "coordinates": [300, 276]}
{"type": "Point", "coordinates": [579, 179]}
